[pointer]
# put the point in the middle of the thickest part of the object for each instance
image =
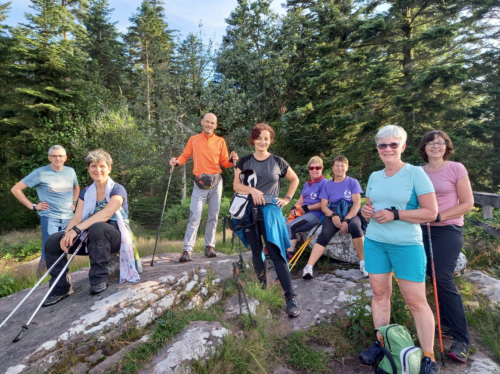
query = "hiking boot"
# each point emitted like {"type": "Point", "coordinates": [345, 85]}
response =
{"type": "Point", "coordinates": [186, 257]}
{"type": "Point", "coordinates": [428, 366]}
{"type": "Point", "coordinates": [308, 272]}
{"type": "Point", "coordinates": [54, 299]}
{"type": "Point", "coordinates": [42, 268]}
{"type": "Point", "coordinates": [209, 251]}
{"type": "Point", "coordinates": [372, 354]}
{"type": "Point", "coordinates": [459, 351]}
{"type": "Point", "coordinates": [362, 270]}
{"type": "Point", "coordinates": [98, 288]}
{"type": "Point", "coordinates": [292, 309]}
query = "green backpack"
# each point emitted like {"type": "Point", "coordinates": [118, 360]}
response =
{"type": "Point", "coordinates": [400, 354]}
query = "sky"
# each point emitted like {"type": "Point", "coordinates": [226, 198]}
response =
{"type": "Point", "coordinates": [182, 15]}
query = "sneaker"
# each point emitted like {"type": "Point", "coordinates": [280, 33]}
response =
{"type": "Point", "coordinates": [98, 288]}
{"type": "Point", "coordinates": [42, 268]}
{"type": "Point", "coordinates": [308, 272]}
{"type": "Point", "coordinates": [186, 257]}
{"type": "Point", "coordinates": [54, 299]}
{"type": "Point", "coordinates": [292, 309]}
{"type": "Point", "coordinates": [428, 366]}
{"type": "Point", "coordinates": [362, 270]}
{"type": "Point", "coordinates": [372, 354]}
{"type": "Point", "coordinates": [209, 251]}
{"type": "Point", "coordinates": [459, 351]}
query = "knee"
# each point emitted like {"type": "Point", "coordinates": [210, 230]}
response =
{"type": "Point", "coordinates": [355, 229]}
{"type": "Point", "coordinates": [96, 231]}
{"type": "Point", "coordinates": [417, 304]}
{"type": "Point", "coordinates": [52, 243]}
{"type": "Point", "coordinates": [381, 295]}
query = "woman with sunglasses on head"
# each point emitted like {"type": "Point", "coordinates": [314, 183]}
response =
{"type": "Point", "coordinates": [266, 209]}
{"type": "Point", "coordinates": [454, 197]}
{"type": "Point", "coordinates": [341, 189]}
{"type": "Point", "coordinates": [308, 205]}
{"type": "Point", "coordinates": [398, 199]}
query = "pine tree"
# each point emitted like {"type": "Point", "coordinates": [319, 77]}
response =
{"type": "Point", "coordinates": [108, 61]}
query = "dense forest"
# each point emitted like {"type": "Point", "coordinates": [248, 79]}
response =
{"type": "Point", "coordinates": [326, 75]}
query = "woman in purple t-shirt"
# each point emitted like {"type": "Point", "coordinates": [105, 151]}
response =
{"type": "Point", "coordinates": [309, 203]}
{"type": "Point", "coordinates": [454, 197]}
{"type": "Point", "coordinates": [340, 188]}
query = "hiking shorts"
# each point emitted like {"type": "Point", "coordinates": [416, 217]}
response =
{"type": "Point", "coordinates": [407, 261]}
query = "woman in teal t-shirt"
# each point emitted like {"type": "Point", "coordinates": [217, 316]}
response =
{"type": "Point", "coordinates": [398, 199]}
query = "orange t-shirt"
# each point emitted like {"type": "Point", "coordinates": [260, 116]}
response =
{"type": "Point", "coordinates": [209, 152]}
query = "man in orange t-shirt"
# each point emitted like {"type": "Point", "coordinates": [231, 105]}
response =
{"type": "Point", "coordinates": [209, 152]}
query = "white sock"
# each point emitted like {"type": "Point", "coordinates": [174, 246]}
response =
{"type": "Point", "coordinates": [362, 262]}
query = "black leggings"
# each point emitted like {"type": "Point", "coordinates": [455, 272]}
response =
{"type": "Point", "coordinates": [280, 264]}
{"type": "Point", "coordinates": [329, 229]}
{"type": "Point", "coordinates": [103, 240]}
{"type": "Point", "coordinates": [447, 243]}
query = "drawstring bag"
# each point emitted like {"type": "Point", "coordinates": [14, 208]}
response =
{"type": "Point", "coordinates": [239, 202]}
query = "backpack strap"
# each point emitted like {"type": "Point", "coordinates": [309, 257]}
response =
{"type": "Point", "coordinates": [386, 353]}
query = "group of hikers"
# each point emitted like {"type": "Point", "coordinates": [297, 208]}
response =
{"type": "Point", "coordinates": [401, 200]}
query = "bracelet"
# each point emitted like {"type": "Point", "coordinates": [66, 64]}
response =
{"type": "Point", "coordinates": [306, 208]}
{"type": "Point", "coordinates": [34, 208]}
{"type": "Point", "coordinates": [348, 220]}
{"type": "Point", "coordinates": [288, 197]}
{"type": "Point", "coordinates": [76, 229]}
{"type": "Point", "coordinates": [438, 218]}
{"type": "Point", "coordinates": [333, 215]}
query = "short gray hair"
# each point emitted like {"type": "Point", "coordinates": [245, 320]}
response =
{"type": "Point", "coordinates": [391, 130]}
{"type": "Point", "coordinates": [54, 147]}
{"type": "Point", "coordinates": [99, 155]}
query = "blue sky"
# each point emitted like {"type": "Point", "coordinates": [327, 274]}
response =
{"type": "Point", "coordinates": [182, 15]}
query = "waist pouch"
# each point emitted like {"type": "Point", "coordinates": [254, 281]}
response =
{"type": "Point", "coordinates": [207, 181]}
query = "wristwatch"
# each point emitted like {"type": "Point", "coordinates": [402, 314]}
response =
{"type": "Point", "coordinates": [74, 203]}
{"type": "Point", "coordinates": [333, 215]}
{"type": "Point", "coordinates": [76, 229]}
{"type": "Point", "coordinates": [348, 220]}
{"type": "Point", "coordinates": [34, 208]}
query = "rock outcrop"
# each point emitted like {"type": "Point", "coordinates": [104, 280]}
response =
{"type": "Point", "coordinates": [339, 248]}
{"type": "Point", "coordinates": [486, 285]}
{"type": "Point", "coordinates": [197, 342]}
{"type": "Point", "coordinates": [80, 326]}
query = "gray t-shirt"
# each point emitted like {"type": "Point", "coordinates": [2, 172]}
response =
{"type": "Point", "coordinates": [268, 172]}
{"type": "Point", "coordinates": [55, 188]}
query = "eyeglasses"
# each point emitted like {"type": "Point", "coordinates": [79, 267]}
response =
{"type": "Point", "coordinates": [434, 144]}
{"type": "Point", "coordinates": [382, 146]}
{"type": "Point", "coordinates": [315, 167]}
{"type": "Point", "coordinates": [57, 156]}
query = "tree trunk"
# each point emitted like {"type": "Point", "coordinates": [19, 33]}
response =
{"type": "Point", "coordinates": [408, 66]}
{"type": "Point", "coordinates": [495, 169]}
{"type": "Point", "coordinates": [147, 88]}
{"type": "Point", "coordinates": [183, 196]}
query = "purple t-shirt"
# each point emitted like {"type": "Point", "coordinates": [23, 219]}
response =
{"type": "Point", "coordinates": [310, 195]}
{"type": "Point", "coordinates": [342, 190]}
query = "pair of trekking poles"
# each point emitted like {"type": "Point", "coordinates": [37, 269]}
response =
{"type": "Point", "coordinates": [25, 327]}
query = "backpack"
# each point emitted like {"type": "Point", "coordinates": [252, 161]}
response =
{"type": "Point", "coordinates": [400, 354]}
{"type": "Point", "coordinates": [239, 202]}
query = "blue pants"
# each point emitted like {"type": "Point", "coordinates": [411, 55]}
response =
{"type": "Point", "coordinates": [49, 227]}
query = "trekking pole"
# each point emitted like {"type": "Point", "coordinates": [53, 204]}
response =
{"type": "Point", "coordinates": [63, 271]}
{"type": "Point", "coordinates": [241, 290]}
{"type": "Point", "coordinates": [297, 255]}
{"type": "Point", "coordinates": [435, 292]}
{"type": "Point", "coordinates": [162, 212]}
{"type": "Point", "coordinates": [33, 289]}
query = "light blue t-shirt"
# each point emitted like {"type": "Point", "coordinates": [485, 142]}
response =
{"type": "Point", "coordinates": [399, 191]}
{"type": "Point", "coordinates": [55, 188]}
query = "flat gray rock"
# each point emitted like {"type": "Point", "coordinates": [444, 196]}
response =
{"type": "Point", "coordinates": [232, 306]}
{"type": "Point", "coordinates": [478, 363]}
{"type": "Point", "coordinates": [199, 341]}
{"type": "Point", "coordinates": [486, 285]}
{"type": "Point", "coordinates": [81, 324]}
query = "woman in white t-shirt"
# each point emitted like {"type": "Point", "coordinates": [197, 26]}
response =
{"type": "Point", "coordinates": [454, 197]}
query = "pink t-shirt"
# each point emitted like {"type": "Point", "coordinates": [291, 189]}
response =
{"type": "Point", "coordinates": [445, 183]}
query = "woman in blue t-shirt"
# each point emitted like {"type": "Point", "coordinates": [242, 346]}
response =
{"type": "Point", "coordinates": [309, 203]}
{"type": "Point", "coordinates": [341, 189]}
{"type": "Point", "coordinates": [398, 199]}
{"type": "Point", "coordinates": [102, 211]}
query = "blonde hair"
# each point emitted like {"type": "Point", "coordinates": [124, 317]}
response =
{"type": "Point", "coordinates": [99, 155]}
{"type": "Point", "coordinates": [315, 160]}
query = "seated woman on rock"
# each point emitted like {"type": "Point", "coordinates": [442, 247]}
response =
{"type": "Point", "coordinates": [340, 191]}
{"type": "Point", "coordinates": [102, 210]}
{"type": "Point", "coordinates": [309, 203]}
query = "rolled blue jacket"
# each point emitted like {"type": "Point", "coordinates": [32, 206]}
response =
{"type": "Point", "coordinates": [276, 230]}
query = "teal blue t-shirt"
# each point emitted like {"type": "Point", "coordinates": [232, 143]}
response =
{"type": "Point", "coordinates": [400, 191]}
{"type": "Point", "coordinates": [55, 188]}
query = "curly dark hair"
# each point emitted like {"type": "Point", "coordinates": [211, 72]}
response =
{"type": "Point", "coordinates": [429, 137]}
{"type": "Point", "coordinates": [257, 129]}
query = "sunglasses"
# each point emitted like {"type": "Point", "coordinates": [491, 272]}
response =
{"type": "Point", "coordinates": [385, 145]}
{"type": "Point", "coordinates": [315, 167]}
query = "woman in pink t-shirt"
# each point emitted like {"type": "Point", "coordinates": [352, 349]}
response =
{"type": "Point", "coordinates": [454, 197]}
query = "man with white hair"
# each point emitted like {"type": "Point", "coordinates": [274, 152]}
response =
{"type": "Point", "coordinates": [209, 152]}
{"type": "Point", "coordinates": [57, 189]}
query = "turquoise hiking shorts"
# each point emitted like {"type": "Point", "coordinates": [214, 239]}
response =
{"type": "Point", "coordinates": [407, 261]}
